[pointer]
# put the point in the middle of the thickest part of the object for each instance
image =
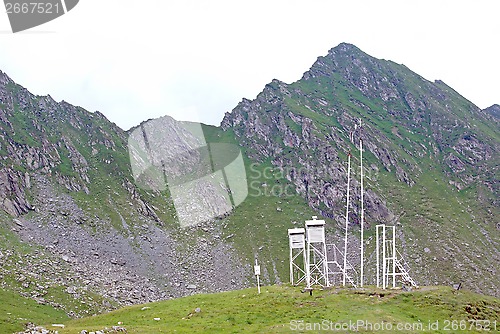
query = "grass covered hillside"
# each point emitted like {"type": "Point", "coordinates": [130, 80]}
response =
{"type": "Point", "coordinates": [284, 309]}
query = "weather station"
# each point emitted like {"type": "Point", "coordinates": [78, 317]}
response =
{"type": "Point", "coordinates": [322, 263]}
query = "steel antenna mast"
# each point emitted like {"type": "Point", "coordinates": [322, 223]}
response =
{"type": "Point", "coordinates": [362, 205]}
{"type": "Point", "coordinates": [346, 217]}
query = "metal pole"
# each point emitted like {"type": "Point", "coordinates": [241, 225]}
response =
{"type": "Point", "coordinates": [384, 265]}
{"type": "Point", "coordinates": [346, 217]}
{"type": "Point", "coordinates": [306, 265]}
{"type": "Point", "coordinates": [362, 212]}
{"type": "Point", "coordinates": [257, 274]}
{"type": "Point", "coordinates": [325, 265]}
{"type": "Point", "coordinates": [394, 256]}
{"type": "Point", "coordinates": [378, 257]}
{"type": "Point", "coordinates": [308, 269]}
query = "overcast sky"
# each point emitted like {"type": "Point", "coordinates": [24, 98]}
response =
{"type": "Point", "coordinates": [196, 59]}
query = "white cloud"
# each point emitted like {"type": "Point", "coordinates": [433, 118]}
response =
{"type": "Point", "coordinates": [195, 60]}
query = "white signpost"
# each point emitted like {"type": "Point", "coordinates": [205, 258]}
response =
{"type": "Point", "coordinates": [257, 274]}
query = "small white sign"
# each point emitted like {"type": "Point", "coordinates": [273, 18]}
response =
{"type": "Point", "coordinates": [257, 270]}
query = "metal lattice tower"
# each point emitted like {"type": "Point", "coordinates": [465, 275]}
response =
{"type": "Point", "coordinates": [390, 263]}
{"type": "Point", "coordinates": [336, 271]}
{"type": "Point", "coordinates": [297, 242]}
{"type": "Point", "coordinates": [317, 261]}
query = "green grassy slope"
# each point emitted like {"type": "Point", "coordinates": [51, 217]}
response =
{"type": "Point", "coordinates": [280, 309]}
{"type": "Point", "coordinates": [16, 311]}
{"type": "Point", "coordinates": [258, 227]}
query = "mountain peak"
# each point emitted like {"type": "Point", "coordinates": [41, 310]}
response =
{"type": "Point", "coordinates": [493, 110]}
{"type": "Point", "coordinates": [4, 79]}
{"type": "Point", "coordinates": [337, 59]}
{"type": "Point", "coordinates": [422, 135]}
{"type": "Point", "coordinates": [344, 47]}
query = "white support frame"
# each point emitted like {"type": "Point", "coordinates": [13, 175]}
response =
{"type": "Point", "coordinates": [381, 233]}
{"type": "Point", "coordinates": [297, 245]}
{"type": "Point", "coordinates": [392, 266]}
{"type": "Point", "coordinates": [317, 261]}
{"type": "Point", "coordinates": [335, 268]}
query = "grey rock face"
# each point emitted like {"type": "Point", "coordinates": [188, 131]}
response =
{"type": "Point", "coordinates": [100, 230]}
{"type": "Point", "coordinates": [12, 197]}
{"type": "Point", "coordinates": [308, 127]}
{"type": "Point", "coordinates": [493, 110]}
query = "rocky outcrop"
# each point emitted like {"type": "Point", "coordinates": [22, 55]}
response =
{"type": "Point", "coordinates": [493, 110]}
{"type": "Point", "coordinates": [41, 136]}
{"type": "Point", "coordinates": [312, 124]}
{"type": "Point", "coordinates": [308, 153]}
{"type": "Point", "coordinates": [12, 196]}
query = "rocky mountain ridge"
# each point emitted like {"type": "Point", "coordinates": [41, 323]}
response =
{"type": "Point", "coordinates": [78, 220]}
{"type": "Point", "coordinates": [67, 191]}
{"type": "Point", "coordinates": [418, 136]}
{"type": "Point", "coordinates": [370, 95]}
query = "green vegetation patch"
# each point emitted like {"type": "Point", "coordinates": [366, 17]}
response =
{"type": "Point", "coordinates": [16, 311]}
{"type": "Point", "coordinates": [284, 309]}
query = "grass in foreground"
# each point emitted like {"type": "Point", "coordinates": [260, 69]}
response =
{"type": "Point", "coordinates": [279, 309]}
{"type": "Point", "coordinates": [16, 311]}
